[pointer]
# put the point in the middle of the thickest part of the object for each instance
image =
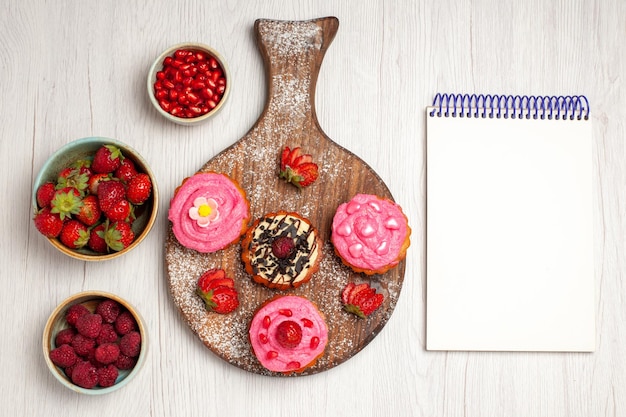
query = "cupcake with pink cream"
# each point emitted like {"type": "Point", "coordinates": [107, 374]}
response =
{"type": "Point", "coordinates": [370, 234]}
{"type": "Point", "coordinates": [288, 334]}
{"type": "Point", "coordinates": [209, 211]}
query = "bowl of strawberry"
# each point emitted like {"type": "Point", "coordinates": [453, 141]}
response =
{"type": "Point", "coordinates": [188, 83]}
{"type": "Point", "coordinates": [95, 199]}
{"type": "Point", "coordinates": [94, 342]}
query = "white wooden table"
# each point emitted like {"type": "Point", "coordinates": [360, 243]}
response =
{"type": "Point", "coordinates": [73, 69]}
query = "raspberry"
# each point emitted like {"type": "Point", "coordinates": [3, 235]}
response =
{"type": "Point", "coordinates": [85, 375]}
{"type": "Point", "coordinates": [130, 344]}
{"type": "Point", "coordinates": [124, 362]}
{"type": "Point", "coordinates": [107, 375]}
{"type": "Point", "coordinates": [107, 353]}
{"type": "Point", "coordinates": [107, 334]}
{"type": "Point", "coordinates": [64, 337]}
{"type": "Point", "coordinates": [125, 323]}
{"type": "Point", "coordinates": [83, 345]}
{"type": "Point", "coordinates": [109, 310]}
{"type": "Point", "coordinates": [74, 312]}
{"type": "Point", "coordinates": [282, 247]}
{"type": "Point", "coordinates": [89, 325]}
{"type": "Point", "coordinates": [63, 356]}
{"type": "Point", "coordinates": [68, 371]}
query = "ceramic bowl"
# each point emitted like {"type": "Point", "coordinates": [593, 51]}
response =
{"type": "Point", "coordinates": [85, 148]}
{"type": "Point", "coordinates": [180, 83]}
{"type": "Point", "coordinates": [56, 322]}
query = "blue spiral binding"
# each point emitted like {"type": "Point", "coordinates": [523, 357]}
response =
{"type": "Point", "coordinates": [508, 106]}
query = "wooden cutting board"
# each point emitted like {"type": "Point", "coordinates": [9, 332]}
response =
{"type": "Point", "coordinates": [292, 52]}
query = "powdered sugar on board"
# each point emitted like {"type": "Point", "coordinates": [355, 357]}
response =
{"type": "Point", "coordinates": [293, 56]}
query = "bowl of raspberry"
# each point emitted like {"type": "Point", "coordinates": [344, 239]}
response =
{"type": "Point", "coordinates": [95, 199]}
{"type": "Point", "coordinates": [94, 342]}
{"type": "Point", "coordinates": [188, 83]}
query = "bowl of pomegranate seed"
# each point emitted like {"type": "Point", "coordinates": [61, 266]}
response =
{"type": "Point", "coordinates": [188, 83]}
{"type": "Point", "coordinates": [95, 199]}
{"type": "Point", "coordinates": [94, 342]}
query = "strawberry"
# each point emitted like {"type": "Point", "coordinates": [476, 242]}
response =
{"type": "Point", "coordinates": [360, 299]}
{"type": "Point", "coordinates": [66, 202]}
{"type": "Point", "coordinates": [121, 211]}
{"type": "Point", "coordinates": [74, 234]}
{"type": "Point", "coordinates": [282, 247]}
{"type": "Point", "coordinates": [96, 239]}
{"type": "Point", "coordinates": [74, 178]}
{"type": "Point", "coordinates": [289, 334]}
{"type": "Point", "coordinates": [107, 159]}
{"type": "Point", "coordinates": [214, 278]}
{"type": "Point", "coordinates": [110, 193]}
{"type": "Point", "coordinates": [47, 223]}
{"type": "Point", "coordinates": [89, 212]}
{"type": "Point", "coordinates": [297, 168]}
{"type": "Point", "coordinates": [119, 236]}
{"type": "Point", "coordinates": [222, 299]}
{"type": "Point", "coordinates": [139, 188]}
{"type": "Point", "coordinates": [45, 194]}
{"type": "Point", "coordinates": [126, 170]}
{"type": "Point", "coordinates": [94, 182]}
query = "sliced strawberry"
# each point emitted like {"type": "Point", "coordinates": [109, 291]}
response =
{"type": "Point", "coordinates": [362, 300]}
{"type": "Point", "coordinates": [208, 276]}
{"type": "Point", "coordinates": [298, 168]}
{"type": "Point", "coordinates": [289, 334]}
{"type": "Point", "coordinates": [345, 293]}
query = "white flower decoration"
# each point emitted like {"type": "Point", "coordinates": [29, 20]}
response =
{"type": "Point", "coordinates": [204, 211]}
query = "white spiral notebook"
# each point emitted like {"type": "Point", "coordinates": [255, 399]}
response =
{"type": "Point", "coordinates": [509, 237]}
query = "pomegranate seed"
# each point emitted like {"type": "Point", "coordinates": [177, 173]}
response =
{"type": "Point", "coordinates": [263, 338]}
{"type": "Point", "coordinates": [213, 63]}
{"type": "Point", "coordinates": [293, 365]}
{"type": "Point", "coordinates": [167, 84]}
{"type": "Point", "coordinates": [161, 94]}
{"type": "Point", "coordinates": [266, 321]}
{"type": "Point", "coordinates": [315, 341]}
{"type": "Point", "coordinates": [286, 312]}
{"type": "Point", "coordinates": [272, 354]}
{"type": "Point", "coordinates": [307, 323]}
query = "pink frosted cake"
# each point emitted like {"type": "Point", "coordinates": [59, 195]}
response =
{"type": "Point", "coordinates": [288, 334]}
{"type": "Point", "coordinates": [370, 234]}
{"type": "Point", "coordinates": [209, 211]}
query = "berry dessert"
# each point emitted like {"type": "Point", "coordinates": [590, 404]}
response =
{"type": "Point", "coordinates": [209, 211]}
{"type": "Point", "coordinates": [370, 234]}
{"type": "Point", "coordinates": [93, 202]}
{"type": "Point", "coordinates": [190, 84]}
{"type": "Point", "coordinates": [360, 299]}
{"type": "Point", "coordinates": [288, 334]}
{"type": "Point", "coordinates": [89, 349]}
{"type": "Point", "coordinates": [297, 168]}
{"type": "Point", "coordinates": [281, 250]}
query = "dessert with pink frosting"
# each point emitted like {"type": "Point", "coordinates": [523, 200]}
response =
{"type": "Point", "coordinates": [370, 234]}
{"type": "Point", "coordinates": [209, 211]}
{"type": "Point", "coordinates": [288, 334]}
{"type": "Point", "coordinates": [281, 250]}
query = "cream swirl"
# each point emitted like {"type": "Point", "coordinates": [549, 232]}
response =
{"type": "Point", "coordinates": [369, 232]}
{"type": "Point", "coordinates": [267, 347]}
{"type": "Point", "coordinates": [208, 212]}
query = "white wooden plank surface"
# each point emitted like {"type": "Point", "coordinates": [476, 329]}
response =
{"type": "Point", "coordinates": [75, 69]}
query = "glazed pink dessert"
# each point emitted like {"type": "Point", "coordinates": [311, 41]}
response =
{"type": "Point", "coordinates": [288, 334]}
{"type": "Point", "coordinates": [370, 234]}
{"type": "Point", "coordinates": [209, 211]}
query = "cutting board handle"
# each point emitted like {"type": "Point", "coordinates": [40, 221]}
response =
{"type": "Point", "coordinates": [292, 52]}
